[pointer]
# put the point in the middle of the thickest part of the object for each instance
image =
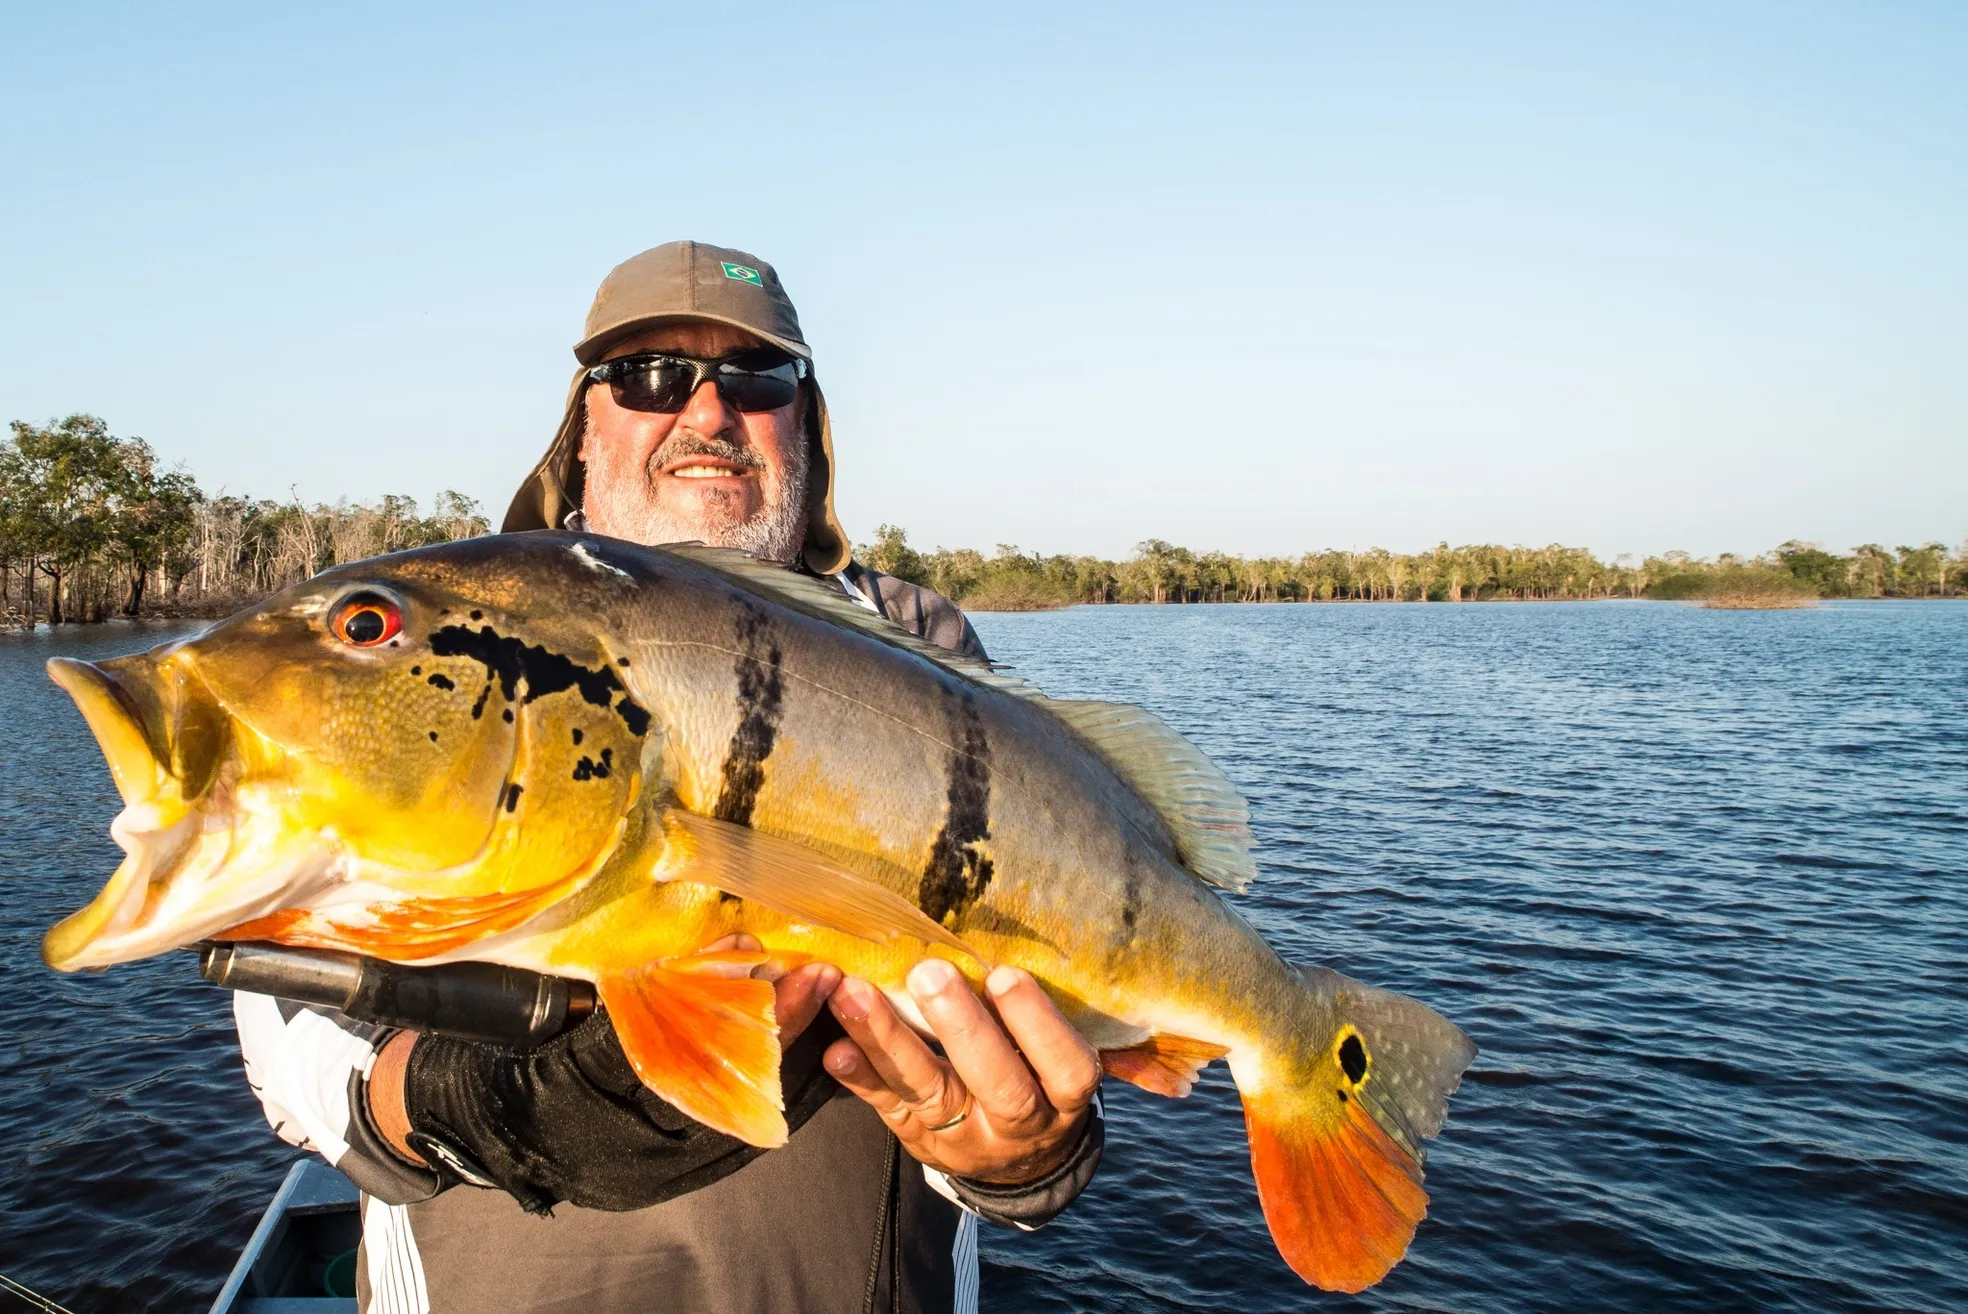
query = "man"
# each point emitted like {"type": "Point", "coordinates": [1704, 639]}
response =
{"type": "Point", "coordinates": [554, 1180]}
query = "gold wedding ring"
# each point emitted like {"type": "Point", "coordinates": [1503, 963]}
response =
{"type": "Point", "coordinates": [956, 1121]}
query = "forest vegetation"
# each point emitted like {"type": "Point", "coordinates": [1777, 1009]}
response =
{"type": "Point", "coordinates": [1796, 572]}
{"type": "Point", "coordinates": [91, 527]}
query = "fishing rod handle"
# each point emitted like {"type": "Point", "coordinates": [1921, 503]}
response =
{"type": "Point", "coordinates": [470, 1001]}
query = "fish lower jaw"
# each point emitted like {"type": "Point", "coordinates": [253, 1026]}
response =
{"type": "Point", "coordinates": [185, 881]}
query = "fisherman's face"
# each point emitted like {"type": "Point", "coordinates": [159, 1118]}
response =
{"type": "Point", "coordinates": [709, 473]}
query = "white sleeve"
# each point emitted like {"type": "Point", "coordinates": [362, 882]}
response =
{"type": "Point", "coordinates": [307, 1066]}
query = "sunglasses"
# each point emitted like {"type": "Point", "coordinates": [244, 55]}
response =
{"type": "Point", "coordinates": [758, 379]}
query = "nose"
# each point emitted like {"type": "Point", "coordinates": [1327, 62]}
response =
{"type": "Point", "coordinates": [708, 413]}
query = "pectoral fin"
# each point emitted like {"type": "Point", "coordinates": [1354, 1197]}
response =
{"type": "Point", "coordinates": [803, 884]}
{"type": "Point", "coordinates": [700, 1032]}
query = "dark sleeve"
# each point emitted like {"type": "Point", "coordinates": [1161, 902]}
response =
{"type": "Point", "coordinates": [570, 1121]}
{"type": "Point", "coordinates": [923, 612]}
{"type": "Point", "coordinates": [1032, 1205]}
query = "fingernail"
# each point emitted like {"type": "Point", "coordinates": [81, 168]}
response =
{"type": "Point", "coordinates": [932, 976]}
{"type": "Point", "coordinates": [1002, 979]}
{"type": "Point", "coordinates": [851, 999]}
{"type": "Point", "coordinates": [840, 1062]}
{"type": "Point", "coordinates": [826, 980]}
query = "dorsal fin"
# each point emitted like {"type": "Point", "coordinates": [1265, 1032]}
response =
{"type": "Point", "coordinates": [1206, 816]}
{"type": "Point", "coordinates": [1203, 810]}
{"type": "Point", "coordinates": [823, 600]}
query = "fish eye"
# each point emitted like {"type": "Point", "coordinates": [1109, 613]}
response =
{"type": "Point", "coordinates": [367, 619]}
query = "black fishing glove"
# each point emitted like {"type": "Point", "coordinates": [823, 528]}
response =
{"type": "Point", "coordinates": [570, 1120]}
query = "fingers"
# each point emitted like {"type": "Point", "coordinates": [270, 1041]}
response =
{"type": "Point", "coordinates": [799, 995]}
{"type": "Point", "coordinates": [977, 1047]}
{"type": "Point", "coordinates": [851, 1069]}
{"type": "Point", "coordinates": [922, 1083]}
{"type": "Point", "coordinates": [1067, 1067]}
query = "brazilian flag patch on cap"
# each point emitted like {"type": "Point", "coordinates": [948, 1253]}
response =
{"type": "Point", "coordinates": [742, 274]}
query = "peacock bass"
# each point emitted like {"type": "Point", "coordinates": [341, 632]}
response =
{"type": "Point", "coordinates": [584, 757]}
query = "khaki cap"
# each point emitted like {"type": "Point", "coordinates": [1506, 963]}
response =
{"type": "Point", "coordinates": [691, 280]}
{"type": "Point", "coordinates": [673, 282]}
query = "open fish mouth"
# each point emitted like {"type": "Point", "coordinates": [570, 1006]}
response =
{"type": "Point", "coordinates": [199, 856]}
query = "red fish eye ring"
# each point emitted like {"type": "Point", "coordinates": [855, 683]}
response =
{"type": "Point", "coordinates": [367, 620]}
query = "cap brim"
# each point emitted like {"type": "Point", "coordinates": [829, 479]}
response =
{"type": "Point", "coordinates": [589, 351]}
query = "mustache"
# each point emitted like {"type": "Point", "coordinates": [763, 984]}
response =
{"type": "Point", "coordinates": [682, 445]}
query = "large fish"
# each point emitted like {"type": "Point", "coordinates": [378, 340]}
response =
{"type": "Point", "coordinates": [583, 757]}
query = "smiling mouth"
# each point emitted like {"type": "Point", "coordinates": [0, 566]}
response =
{"type": "Point", "coordinates": [704, 470]}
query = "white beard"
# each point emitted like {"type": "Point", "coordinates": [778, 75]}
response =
{"type": "Point", "coordinates": [776, 532]}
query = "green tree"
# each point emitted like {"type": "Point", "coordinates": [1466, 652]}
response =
{"type": "Point", "coordinates": [891, 554]}
{"type": "Point", "coordinates": [63, 480]}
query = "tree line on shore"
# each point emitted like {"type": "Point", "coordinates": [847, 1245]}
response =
{"type": "Point", "coordinates": [91, 527]}
{"type": "Point", "coordinates": [1160, 572]}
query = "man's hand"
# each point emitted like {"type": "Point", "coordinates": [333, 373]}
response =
{"type": "Point", "coordinates": [798, 997]}
{"type": "Point", "coordinates": [1009, 1103]}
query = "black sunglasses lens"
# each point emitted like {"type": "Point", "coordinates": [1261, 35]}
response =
{"type": "Point", "coordinates": [764, 391]}
{"type": "Point", "coordinates": [654, 385]}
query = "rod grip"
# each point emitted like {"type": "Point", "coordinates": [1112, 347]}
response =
{"type": "Point", "coordinates": [470, 1001]}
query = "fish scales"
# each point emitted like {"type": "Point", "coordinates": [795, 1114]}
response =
{"type": "Point", "coordinates": [1079, 881]}
{"type": "Point", "coordinates": [567, 753]}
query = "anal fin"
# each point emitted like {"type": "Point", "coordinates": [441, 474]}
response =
{"type": "Point", "coordinates": [700, 1032]}
{"type": "Point", "coordinates": [800, 882]}
{"type": "Point", "coordinates": [1164, 1064]}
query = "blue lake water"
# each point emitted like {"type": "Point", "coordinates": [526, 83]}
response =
{"type": "Point", "coordinates": [1696, 881]}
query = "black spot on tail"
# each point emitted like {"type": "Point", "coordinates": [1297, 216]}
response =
{"type": "Point", "coordinates": [511, 661]}
{"type": "Point", "coordinates": [442, 682]}
{"type": "Point", "coordinates": [478, 708]}
{"type": "Point", "coordinates": [759, 697]}
{"type": "Point", "coordinates": [589, 769]}
{"type": "Point", "coordinates": [512, 796]}
{"type": "Point", "coordinates": [577, 736]}
{"type": "Point", "coordinates": [958, 872]}
{"type": "Point", "coordinates": [1353, 1059]}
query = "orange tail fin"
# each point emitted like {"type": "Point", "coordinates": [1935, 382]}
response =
{"type": "Point", "coordinates": [1336, 1130]}
{"type": "Point", "coordinates": [701, 1033]}
{"type": "Point", "coordinates": [1167, 1065]}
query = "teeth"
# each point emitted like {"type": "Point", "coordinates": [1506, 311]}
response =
{"type": "Point", "coordinates": [702, 472]}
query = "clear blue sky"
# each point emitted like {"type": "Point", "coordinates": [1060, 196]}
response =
{"type": "Point", "coordinates": [1637, 277]}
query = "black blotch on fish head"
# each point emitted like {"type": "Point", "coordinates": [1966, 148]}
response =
{"type": "Point", "coordinates": [439, 680]}
{"type": "Point", "coordinates": [577, 736]}
{"type": "Point", "coordinates": [512, 796]}
{"type": "Point", "coordinates": [478, 708]}
{"type": "Point", "coordinates": [621, 661]}
{"type": "Point", "coordinates": [1342, 1097]}
{"type": "Point", "coordinates": [1353, 1059]}
{"type": "Point", "coordinates": [416, 670]}
{"type": "Point", "coordinates": [508, 715]}
{"type": "Point", "coordinates": [511, 662]}
{"type": "Point", "coordinates": [478, 615]}
{"type": "Point", "coordinates": [634, 715]}
{"type": "Point", "coordinates": [584, 769]}
{"type": "Point", "coordinates": [433, 735]}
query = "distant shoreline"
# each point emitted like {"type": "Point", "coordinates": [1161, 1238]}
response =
{"type": "Point", "coordinates": [207, 609]}
{"type": "Point", "coordinates": [147, 541]}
